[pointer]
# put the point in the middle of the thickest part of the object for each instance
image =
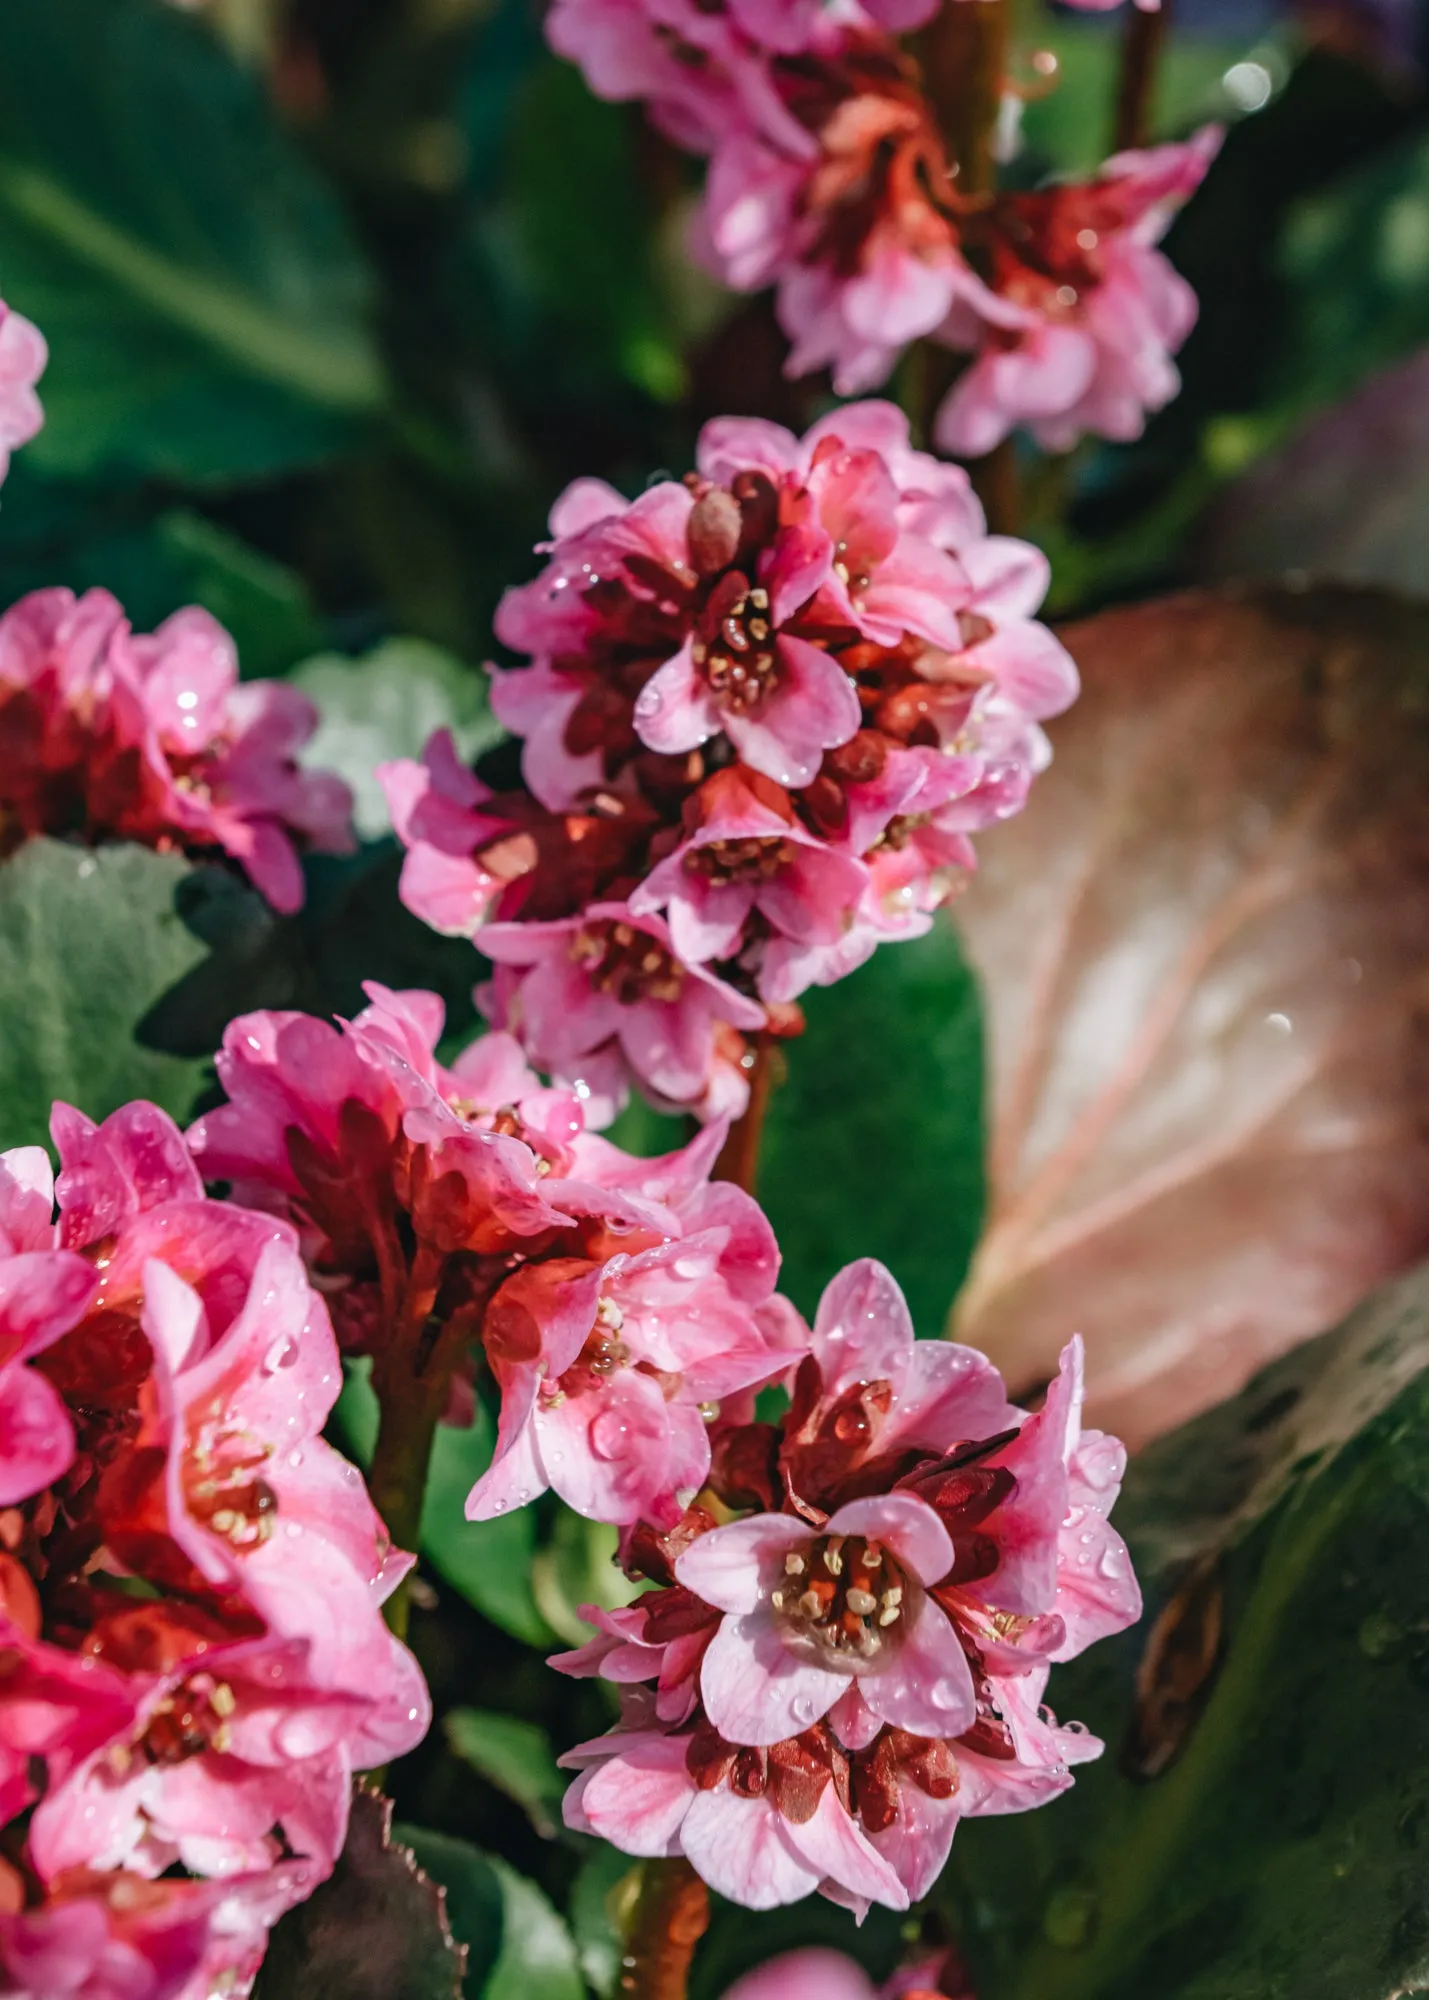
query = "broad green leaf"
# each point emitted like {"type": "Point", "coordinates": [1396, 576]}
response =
{"type": "Point", "coordinates": [488, 1562]}
{"type": "Point", "coordinates": [375, 1930]}
{"type": "Point", "coordinates": [516, 1757]}
{"type": "Point", "coordinates": [873, 1145]}
{"type": "Point", "coordinates": [474, 1901]}
{"type": "Point", "coordinates": [90, 941]}
{"type": "Point", "coordinates": [387, 705]}
{"type": "Point", "coordinates": [538, 1958]}
{"type": "Point", "coordinates": [1280, 1854]}
{"type": "Point", "coordinates": [201, 293]}
{"type": "Point", "coordinates": [352, 928]}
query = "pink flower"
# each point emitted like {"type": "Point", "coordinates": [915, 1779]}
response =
{"type": "Point", "coordinates": [817, 1974]}
{"type": "Point", "coordinates": [601, 997]}
{"type": "Point", "coordinates": [813, 1616]}
{"type": "Point", "coordinates": [435, 807]}
{"type": "Point", "coordinates": [750, 853]}
{"type": "Point", "coordinates": [611, 1373]}
{"type": "Point", "coordinates": [763, 1827]}
{"type": "Point", "coordinates": [119, 1937]}
{"type": "Point", "coordinates": [43, 1293]}
{"type": "Point", "coordinates": [866, 1648]}
{"type": "Point", "coordinates": [1090, 310]}
{"type": "Point", "coordinates": [122, 737]}
{"type": "Point", "coordinates": [23, 355]}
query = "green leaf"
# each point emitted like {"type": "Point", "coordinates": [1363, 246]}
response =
{"type": "Point", "coordinates": [265, 606]}
{"type": "Point", "coordinates": [89, 942]}
{"type": "Point", "coordinates": [873, 1146]}
{"type": "Point", "coordinates": [538, 1958]}
{"type": "Point", "coordinates": [488, 1562]}
{"type": "Point", "coordinates": [1279, 1855]}
{"type": "Point", "coordinates": [602, 1892]}
{"type": "Point", "coordinates": [475, 1904]}
{"type": "Point", "coordinates": [578, 1566]}
{"type": "Point", "coordinates": [1354, 258]}
{"type": "Point", "coordinates": [516, 1757]}
{"type": "Point", "coordinates": [375, 1930]}
{"type": "Point", "coordinates": [387, 705]}
{"type": "Point", "coordinates": [201, 293]}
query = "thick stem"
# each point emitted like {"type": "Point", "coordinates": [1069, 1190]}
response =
{"type": "Point", "coordinates": [671, 1916]}
{"type": "Point", "coordinates": [739, 1156]}
{"type": "Point", "coordinates": [1144, 38]}
{"type": "Point", "coordinates": [412, 1379]}
{"type": "Point", "coordinates": [964, 53]}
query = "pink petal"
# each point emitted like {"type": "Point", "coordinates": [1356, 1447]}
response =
{"type": "Point", "coordinates": [756, 1690]}
{"type": "Point", "coordinates": [909, 1527]}
{"type": "Point", "coordinates": [675, 711]}
{"type": "Point", "coordinates": [735, 1568]}
{"type": "Point", "coordinates": [743, 1850]}
{"type": "Point", "coordinates": [641, 1799]}
{"type": "Point", "coordinates": [832, 1843]}
{"type": "Point", "coordinates": [36, 1435]}
{"type": "Point", "coordinates": [928, 1687]}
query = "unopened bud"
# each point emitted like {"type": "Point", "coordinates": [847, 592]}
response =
{"type": "Point", "coordinates": [714, 529]}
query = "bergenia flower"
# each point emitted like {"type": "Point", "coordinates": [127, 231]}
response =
{"type": "Point", "coordinates": [192, 1649]}
{"type": "Point", "coordinates": [1090, 311]}
{"type": "Point", "coordinates": [23, 355]}
{"type": "Point", "coordinates": [109, 735]}
{"type": "Point", "coordinates": [860, 1659]}
{"type": "Point", "coordinates": [617, 1303]}
{"type": "Point", "coordinates": [767, 709]}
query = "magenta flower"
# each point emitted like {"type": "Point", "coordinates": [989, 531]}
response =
{"type": "Point", "coordinates": [436, 812]}
{"type": "Point", "coordinates": [866, 1649]}
{"type": "Point", "coordinates": [23, 355]}
{"type": "Point", "coordinates": [750, 854]}
{"type": "Point", "coordinates": [112, 736]}
{"type": "Point", "coordinates": [44, 1292]}
{"type": "Point", "coordinates": [1090, 310]}
{"type": "Point", "coordinates": [602, 996]}
{"type": "Point", "coordinates": [612, 1373]}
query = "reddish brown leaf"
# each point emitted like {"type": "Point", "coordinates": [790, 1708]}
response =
{"type": "Point", "coordinates": [1205, 947]}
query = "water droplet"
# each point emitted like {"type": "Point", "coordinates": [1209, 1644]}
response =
{"type": "Point", "coordinates": [1282, 1023]}
{"type": "Point", "coordinates": [295, 1457]}
{"type": "Point", "coordinates": [947, 1695]}
{"type": "Point", "coordinates": [608, 1434]}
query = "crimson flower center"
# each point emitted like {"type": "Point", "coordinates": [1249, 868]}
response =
{"type": "Point", "coordinates": [195, 1718]}
{"type": "Point", "coordinates": [738, 661]}
{"type": "Point", "coordinates": [756, 859]}
{"type": "Point", "coordinates": [842, 1601]}
{"type": "Point", "coordinates": [627, 963]}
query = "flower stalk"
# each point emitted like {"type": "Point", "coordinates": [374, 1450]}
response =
{"type": "Point", "coordinates": [672, 1914]}
{"type": "Point", "coordinates": [1143, 41]}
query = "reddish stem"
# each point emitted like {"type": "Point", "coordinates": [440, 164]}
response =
{"type": "Point", "coordinates": [1141, 48]}
{"type": "Point", "coordinates": [671, 1916]}
{"type": "Point", "coordinates": [739, 1156]}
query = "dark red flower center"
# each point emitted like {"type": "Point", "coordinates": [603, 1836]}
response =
{"type": "Point", "coordinates": [627, 963]}
{"type": "Point", "coordinates": [843, 1600]}
{"type": "Point", "coordinates": [756, 859]}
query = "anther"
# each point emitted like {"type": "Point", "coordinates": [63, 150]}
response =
{"type": "Point", "coordinates": [862, 1603]}
{"type": "Point", "coordinates": [794, 1565]}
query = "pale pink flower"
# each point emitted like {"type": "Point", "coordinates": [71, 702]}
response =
{"type": "Point", "coordinates": [43, 1293]}
{"type": "Point", "coordinates": [436, 813]}
{"type": "Point", "coordinates": [1091, 311]}
{"type": "Point", "coordinates": [747, 855]}
{"type": "Point", "coordinates": [611, 1373]}
{"type": "Point", "coordinates": [602, 997]}
{"type": "Point", "coordinates": [23, 355]}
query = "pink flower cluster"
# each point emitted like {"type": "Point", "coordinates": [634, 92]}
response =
{"type": "Point", "coordinates": [193, 1659]}
{"type": "Point", "coordinates": [817, 1691]}
{"type": "Point", "coordinates": [767, 707]}
{"type": "Point", "coordinates": [619, 1302]}
{"type": "Point", "coordinates": [106, 734]}
{"type": "Point", "coordinates": [829, 180]}
{"type": "Point", "coordinates": [23, 355]}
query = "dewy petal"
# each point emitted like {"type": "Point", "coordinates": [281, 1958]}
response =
{"type": "Point", "coordinates": [909, 1527]}
{"type": "Point", "coordinates": [863, 1331]}
{"type": "Point", "coordinates": [918, 1843]}
{"type": "Point", "coordinates": [813, 708]}
{"type": "Point", "coordinates": [1027, 1525]}
{"type": "Point", "coordinates": [927, 1688]}
{"type": "Point", "coordinates": [815, 1974]}
{"type": "Point", "coordinates": [36, 1434]}
{"type": "Point", "coordinates": [743, 1850]}
{"type": "Point", "coordinates": [640, 1800]}
{"type": "Point", "coordinates": [675, 711]}
{"type": "Point", "coordinates": [735, 1568]}
{"type": "Point", "coordinates": [832, 1843]}
{"type": "Point", "coordinates": [755, 1690]}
